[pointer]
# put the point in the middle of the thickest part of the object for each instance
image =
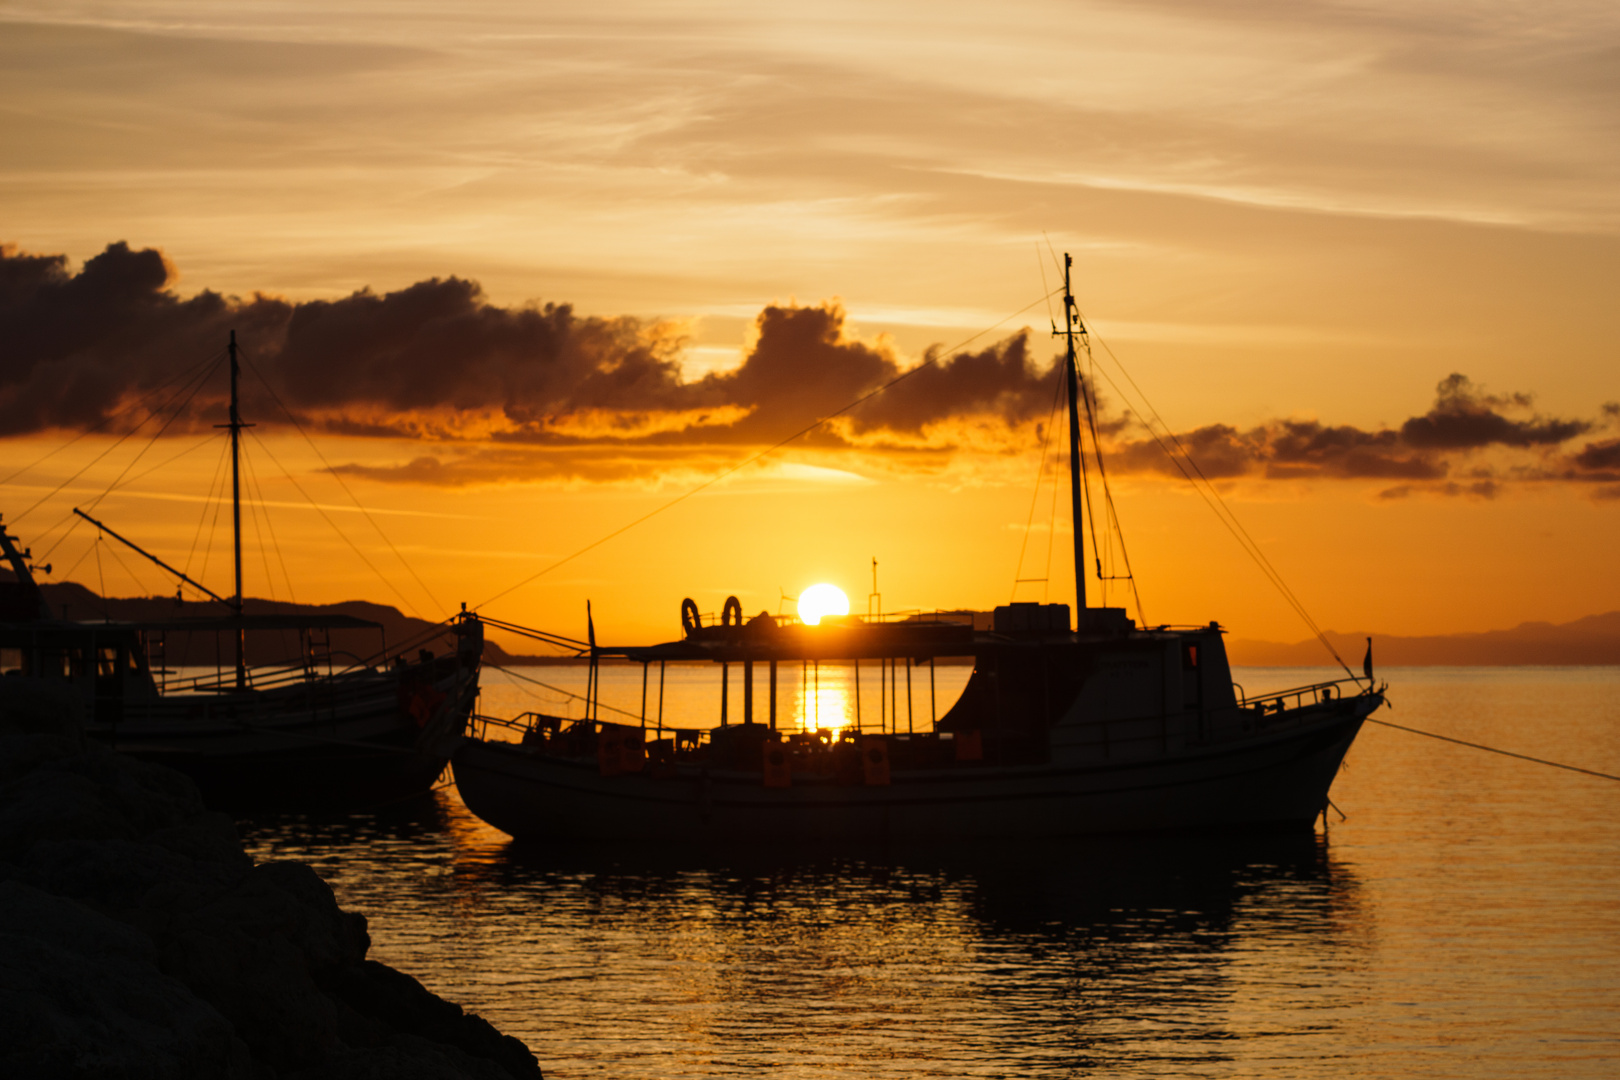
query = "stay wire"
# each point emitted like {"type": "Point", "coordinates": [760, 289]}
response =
{"type": "Point", "coordinates": [1493, 750]}
{"type": "Point", "coordinates": [1089, 392]}
{"type": "Point", "coordinates": [109, 418]}
{"type": "Point", "coordinates": [560, 690]}
{"type": "Point", "coordinates": [150, 442]}
{"type": "Point", "coordinates": [1218, 506]}
{"type": "Point", "coordinates": [339, 478]}
{"type": "Point", "coordinates": [902, 377]}
{"type": "Point", "coordinates": [165, 463]}
{"type": "Point", "coordinates": [116, 444]}
{"type": "Point", "coordinates": [275, 541]}
{"type": "Point", "coordinates": [72, 518]}
{"type": "Point", "coordinates": [1034, 498]}
{"type": "Point", "coordinates": [208, 504]}
{"type": "Point", "coordinates": [341, 534]}
{"type": "Point", "coordinates": [140, 582]}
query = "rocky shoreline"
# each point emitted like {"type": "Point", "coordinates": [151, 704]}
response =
{"type": "Point", "coordinates": [137, 938]}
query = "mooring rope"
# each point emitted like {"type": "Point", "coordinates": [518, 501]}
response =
{"type": "Point", "coordinates": [1494, 750]}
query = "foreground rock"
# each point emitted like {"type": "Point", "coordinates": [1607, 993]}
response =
{"type": "Point", "coordinates": [138, 940]}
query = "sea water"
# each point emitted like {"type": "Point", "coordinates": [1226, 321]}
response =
{"type": "Point", "coordinates": [1462, 918]}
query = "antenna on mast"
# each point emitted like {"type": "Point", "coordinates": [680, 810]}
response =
{"type": "Point", "coordinates": [1072, 326]}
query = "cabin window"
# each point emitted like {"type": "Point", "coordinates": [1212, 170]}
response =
{"type": "Point", "coordinates": [11, 660]}
{"type": "Point", "coordinates": [1189, 657]}
{"type": "Point", "coordinates": [106, 662]}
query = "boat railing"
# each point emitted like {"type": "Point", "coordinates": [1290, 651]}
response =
{"type": "Point", "coordinates": [538, 724]}
{"type": "Point", "coordinates": [259, 678]}
{"type": "Point", "coordinates": [1316, 693]}
{"type": "Point", "coordinates": [908, 617]}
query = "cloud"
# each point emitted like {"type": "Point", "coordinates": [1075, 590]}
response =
{"type": "Point", "coordinates": [1599, 455]}
{"type": "Point", "coordinates": [1465, 418]}
{"type": "Point", "coordinates": [538, 393]}
{"type": "Point", "coordinates": [1424, 450]}
{"type": "Point", "coordinates": [436, 360]}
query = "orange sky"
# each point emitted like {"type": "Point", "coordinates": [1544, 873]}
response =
{"type": "Point", "coordinates": [1281, 214]}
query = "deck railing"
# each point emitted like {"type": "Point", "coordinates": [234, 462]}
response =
{"type": "Point", "coordinates": [1316, 692]}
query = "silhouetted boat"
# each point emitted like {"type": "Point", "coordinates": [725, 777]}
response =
{"type": "Point", "coordinates": [323, 726]}
{"type": "Point", "coordinates": [1099, 726]}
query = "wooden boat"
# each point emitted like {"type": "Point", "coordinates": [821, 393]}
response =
{"type": "Point", "coordinates": [1086, 726]}
{"type": "Point", "coordinates": [332, 723]}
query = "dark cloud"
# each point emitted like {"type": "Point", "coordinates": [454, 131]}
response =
{"type": "Point", "coordinates": [77, 346]}
{"type": "Point", "coordinates": [1463, 418]}
{"type": "Point", "coordinates": [539, 392]}
{"type": "Point", "coordinates": [1289, 449]}
{"type": "Point", "coordinates": [1423, 450]}
{"type": "Point", "coordinates": [438, 360]}
{"type": "Point", "coordinates": [1599, 455]}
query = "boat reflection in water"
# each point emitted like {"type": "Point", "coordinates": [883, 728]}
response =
{"type": "Point", "coordinates": [1152, 953]}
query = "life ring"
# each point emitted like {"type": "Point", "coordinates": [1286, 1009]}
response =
{"type": "Point", "coordinates": [690, 620]}
{"type": "Point", "coordinates": [731, 613]}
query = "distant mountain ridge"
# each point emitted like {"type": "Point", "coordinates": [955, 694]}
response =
{"type": "Point", "coordinates": [1594, 640]}
{"type": "Point", "coordinates": [74, 601]}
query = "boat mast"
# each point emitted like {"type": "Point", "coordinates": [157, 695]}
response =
{"type": "Point", "coordinates": [236, 426]}
{"type": "Point", "coordinates": [1072, 325]}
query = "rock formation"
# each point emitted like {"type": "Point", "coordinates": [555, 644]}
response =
{"type": "Point", "coordinates": [137, 939]}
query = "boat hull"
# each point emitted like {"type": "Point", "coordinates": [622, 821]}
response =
{"type": "Point", "coordinates": [1276, 778]}
{"type": "Point", "coordinates": [338, 743]}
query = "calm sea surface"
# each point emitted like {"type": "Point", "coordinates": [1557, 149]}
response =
{"type": "Point", "coordinates": [1462, 920]}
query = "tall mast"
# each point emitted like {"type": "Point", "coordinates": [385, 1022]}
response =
{"type": "Point", "coordinates": [236, 426]}
{"type": "Point", "coordinates": [1071, 325]}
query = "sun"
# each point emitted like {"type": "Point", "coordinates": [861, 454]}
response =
{"type": "Point", "coordinates": [819, 600]}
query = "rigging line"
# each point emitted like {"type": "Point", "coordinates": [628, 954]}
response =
{"type": "Point", "coordinates": [1494, 750]}
{"type": "Point", "coordinates": [1056, 263]}
{"type": "Point", "coordinates": [139, 582]}
{"type": "Point", "coordinates": [77, 562]}
{"type": "Point", "coordinates": [101, 579]}
{"type": "Point", "coordinates": [258, 536]}
{"type": "Point", "coordinates": [1034, 498]}
{"type": "Point", "coordinates": [931, 361]}
{"type": "Point", "coordinates": [352, 545]}
{"type": "Point", "coordinates": [560, 690]}
{"type": "Point", "coordinates": [151, 442]}
{"type": "Point", "coordinates": [213, 528]}
{"type": "Point", "coordinates": [110, 417]}
{"type": "Point", "coordinates": [1050, 314]}
{"type": "Point", "coordinates": [1258, 554]}
{"type": "Point", "coordinates": [1223, 515]}
{"type": "Point", "coordinates": [1092, 408]}
{"type": "Point", "coordinates": [437, 604]}
{"type": "Point", "coordinates": [208, 502]}
{"type": "Point", "coordinates": [270, 523]}
{"type": "Point", "coordinates": [193, 448]}
{"type": "Point", "coordinates": [1051, 519]}
{"type": "Point", "coordinates": [1085, 483]}
{"type": "Point", "coordinates": [1218, 507]}
{"type": "Point", "coordinates": [116, 444]}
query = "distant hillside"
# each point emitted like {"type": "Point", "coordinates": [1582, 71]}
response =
{"type": "Point", "coordinates": [1592, 640]}
{"type": "Point", "coordinates": [74, 601]}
